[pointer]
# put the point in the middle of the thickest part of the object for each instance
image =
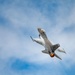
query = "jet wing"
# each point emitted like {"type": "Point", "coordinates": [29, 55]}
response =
{"type": "Point", "coordinates": [61, 50]}
{"type": "Point", "coordinates": [38, 40]}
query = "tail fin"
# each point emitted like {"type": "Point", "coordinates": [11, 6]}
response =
{"type": "Point", "coordinates": [58, 56]}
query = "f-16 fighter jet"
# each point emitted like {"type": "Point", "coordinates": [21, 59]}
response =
{"type": "Point", "coordinates": [49, 46]}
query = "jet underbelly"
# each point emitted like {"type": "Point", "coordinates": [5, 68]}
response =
{"type": "Point", "coordinates": [48, 44]}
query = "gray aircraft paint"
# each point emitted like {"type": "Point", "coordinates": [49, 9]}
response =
{"type": "Point", "coordinates": [43, 40]}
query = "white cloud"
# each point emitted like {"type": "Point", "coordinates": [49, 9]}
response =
{"type": "Point", "coordinates": [14, 43]}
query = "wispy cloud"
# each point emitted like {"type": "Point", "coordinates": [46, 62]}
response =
{"type": "Point", "coordinates": [19, 20]}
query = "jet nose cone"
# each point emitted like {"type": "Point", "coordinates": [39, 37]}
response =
{"type": "Point", "coordinates": [38, 29]}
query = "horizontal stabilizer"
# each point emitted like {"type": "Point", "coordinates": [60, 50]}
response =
{"type": "Point", "coordinates": [61, 50]}
{"type": "Point", "coordinates": [45, 51]}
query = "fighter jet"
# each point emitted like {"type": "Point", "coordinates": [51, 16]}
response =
{"type": "Point", "coordinates": [50, 48]}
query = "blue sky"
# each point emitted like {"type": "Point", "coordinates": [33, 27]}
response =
{"type": "Point", "coordinates": [19, 20]}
